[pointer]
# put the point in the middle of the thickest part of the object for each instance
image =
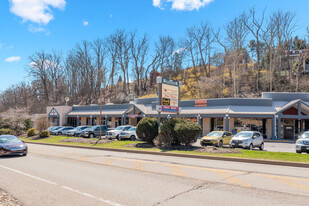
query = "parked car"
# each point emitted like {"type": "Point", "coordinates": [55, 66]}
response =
{"type": "Point", "coordinates": [11, 145]}
{"type": "Point", "coordinates": [61, 131]}
{"type": "Point", "coordinates": [217, 138]}
{"type": "Point", "coordinates": [52, 128]}
{"type": "Point", "coordinates": [76, 131]}
{"type": "Point", "coordinates": [248, 140]}
{"type": "Point", "coordinates": [302, 144]}
{"type": "Point", "coordinates": [114, 134]}
{"type": "Point", "coordinates": [129, 134]}
{"type": "Point", "coordinates": [94, 131]}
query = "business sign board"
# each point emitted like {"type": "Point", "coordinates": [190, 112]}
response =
{"type": "Point", "coordinates": [170, 95]}
{"type": "Point", "coordinates": [200, 103]}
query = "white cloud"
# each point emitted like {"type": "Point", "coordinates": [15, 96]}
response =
{"type": "Point", "coordinates": [0, 46]}
{"type": "Point", "coordinates": [110, 16]}
{"type": "Point", "coordinates": [180, 50]}
{"type": "Point", "coordinates": [85, 23]}
{"type": "Point", "coordinates": [186, 5]}
{"type": "Point", "coordinates": [12, 59]}
{"type": "Point", "coordinates": [37, 11]}
{"type": "Point", "coordinates": [35, 29]}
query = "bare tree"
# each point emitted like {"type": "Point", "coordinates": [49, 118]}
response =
{"type": "Point", "coordinates": [139, 48]}
{"type": "Point", "coordinates": [236, 35]}
{"type": "Point", "coordinates": [254, 25]}
{"type": "Point", "coordinates": [164, 49]}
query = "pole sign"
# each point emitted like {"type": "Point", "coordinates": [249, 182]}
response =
{"type": "Point", "coordinates": [170, 95]}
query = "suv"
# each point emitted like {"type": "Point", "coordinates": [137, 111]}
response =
{"type": "Point", "coordinates": [61, 131]}
{"type": "Point", "coordinates": [248, 140]}
{"type": "Point", "coordinates": [114, 134]}
{"type": "Point", "coordinates": [302, 144]}
{"type": "Point", "coordinates": [94, 131]}
{"type": "Point", "coordinates": [217, 138]}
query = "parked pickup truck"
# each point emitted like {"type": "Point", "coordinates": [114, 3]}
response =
{"type": "Point", "coordinates": [94, 132]}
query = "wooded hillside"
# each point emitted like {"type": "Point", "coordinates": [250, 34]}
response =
{"type": "Point", "coordinates": [242, 58]}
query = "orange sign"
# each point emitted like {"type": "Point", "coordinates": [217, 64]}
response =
{"type": "Point", "coordinates": [201, 103]}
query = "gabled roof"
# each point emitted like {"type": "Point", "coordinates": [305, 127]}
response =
{"type": "Point", "coordinates": [291, 104]}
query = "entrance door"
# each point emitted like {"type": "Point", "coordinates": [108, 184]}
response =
{"type": "Point", "coordinates": [288, 132]}
{"type": "Point", "coordinates": [212, 124]}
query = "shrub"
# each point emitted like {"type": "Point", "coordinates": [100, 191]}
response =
{"type": "Point", "coordinates": [42, 124]}
{"type": "Point", "coordinates": [147, 129]}
{"type": "Point", "coordinates": [44, 133]}
{"type": "Point", "coordinates": [5, 123]}
{"type": "Point", "coordinates": [5, 131]}
{"type": "Point", "coordinates": [167, 135]}
{"type": "Point", "coordinates": [187, 132]}
{"type": "Point", "coordinates": [177, 132]}
{"type": "Point", "coordinates": [31, 132]}
{"type": "Point", "coordinates": [28, 123]}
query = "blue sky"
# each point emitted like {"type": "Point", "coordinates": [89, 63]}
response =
{"type": "Point", "coordinates": [67, 22]}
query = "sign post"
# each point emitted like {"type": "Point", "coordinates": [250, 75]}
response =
{"type": "Point", "coordinates": [168, 95]}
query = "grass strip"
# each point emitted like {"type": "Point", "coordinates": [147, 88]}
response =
{"type": "Point", "coordinates": [264, 155]}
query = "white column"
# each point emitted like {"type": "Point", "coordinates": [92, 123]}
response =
{"type": "Point", "coordinates": [206, 125]}
{"type": "Point", "coordinates": [269, 131]}
{"type": "Point", "coordinates": [231, 124]}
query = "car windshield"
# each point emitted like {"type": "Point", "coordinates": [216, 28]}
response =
{"type": "Point", "coordinates": [87, 129]}
{"type": "Point", "coordinates": [132, 129]}
{"type": "Point", "coordinates": [77, 128]}
{"type": "Point", "coordinates": [243, 134]}
{"type": "Point", "coordinates": [305, 136]}
{"type": "Point", "coordinates": [9, 139]}
{"type": "Point", "coordinates": [84, 128]}
{"type": "Point", "coordinates": [215, 134]}
{"type": "Point", "coordinates": [93, 128]}
{"type": "Point", "coordinates": [119, 128]}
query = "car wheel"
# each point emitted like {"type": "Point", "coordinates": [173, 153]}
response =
{"type": "Point", "coordinates": [132, 138]}
{"type": "Point", "coordinates": [25, 154]}
{"type": "Point", "coordinates": [262, 146]}
{"type": "Point", "coordinates": [220, 144]}
{"type": "Point", "coordinates": [59, 133]}
{"type": "Point", "coordinates": [119, 138]}
{"type": "Point", "coordinates": [250, 147]}
{"type": "Point", "coordinates": [91, 136]}
{"type": "Point", "coordinates": [299, 152]}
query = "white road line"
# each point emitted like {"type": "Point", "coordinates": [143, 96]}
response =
{"type": "Point", "coordinates": [63, 187]}
{"type": "Point", "coordinates": [28, 175]}
{"type": "Point", "coordinates": [91, 196]}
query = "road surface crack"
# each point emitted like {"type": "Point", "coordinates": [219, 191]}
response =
{"type": "Point", "coordinates": [196, 187]}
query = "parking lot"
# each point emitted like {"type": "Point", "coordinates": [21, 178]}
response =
{"type": "Point", "coordinates": [271, 146]}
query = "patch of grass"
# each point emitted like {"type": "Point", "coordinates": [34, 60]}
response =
{"type": "Point", "coordinates": [281, 156]}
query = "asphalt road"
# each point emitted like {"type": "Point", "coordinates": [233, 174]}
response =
{"type": "Point", "coordinates": [270, 146]}
{"type": "Point", "coordinates": [55, 176]}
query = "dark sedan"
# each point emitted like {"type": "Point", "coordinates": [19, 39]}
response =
{"type": "Point", "coordinates": [11, 145]}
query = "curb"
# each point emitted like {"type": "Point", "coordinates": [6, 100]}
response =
{"type": "Point", "coordinates": [208, 157]}
{"type": "Point", "coordinates": [281, 141]}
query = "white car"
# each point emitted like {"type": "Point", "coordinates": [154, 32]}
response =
{"type": "Point", "coordinates": [302, 144]}
{"type": "Point", "coordinates": [248, 140]}
{"type": "Point", "coordinates": [129, 134]}
{"type": "Point", "coordinates": [114, 133]}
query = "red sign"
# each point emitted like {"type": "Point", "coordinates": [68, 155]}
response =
{"type": "Point", "coordinates": [201, 103]}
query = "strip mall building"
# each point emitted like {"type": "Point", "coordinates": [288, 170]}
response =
{"type": "Point", "coordinates": [276, 115]}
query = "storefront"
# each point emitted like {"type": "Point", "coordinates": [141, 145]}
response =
{"type": "Point", "coordinates": [288, 110]}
